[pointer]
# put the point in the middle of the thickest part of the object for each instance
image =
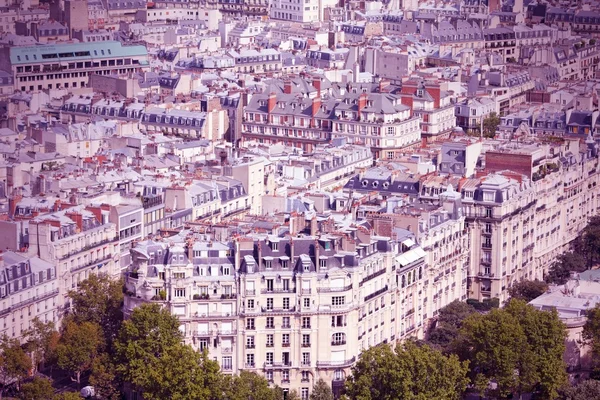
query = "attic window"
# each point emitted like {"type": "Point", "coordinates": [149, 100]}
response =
{"type": "Point", "coordinates": [375, 184]}
{"type": "Point", "coordinates": [365, 183]}
{"type": "Point", "coordinates": [385, 185]}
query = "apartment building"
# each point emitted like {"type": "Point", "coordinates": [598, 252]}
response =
{"type": "Point", "coordinates": [28, 290]}
{"type": "Point", "coordinates": [285, 307]}
{"type": "Point", "coordinates": [471, 112]}
{"type": "Point", "coordinates": [69, 65]}
{"type": "Point", "coordinates": [434, 106]}
{"type": "Point", "coordinates": [379, 121]}
{"type": "Point", "coordinates": [500, 214]}
{"type": "Point", "coordinates": [79, 241]}
{"type": "Point", "coordinates": [300, 122]}
{"type": "Point", "coordinates": [502, 41]}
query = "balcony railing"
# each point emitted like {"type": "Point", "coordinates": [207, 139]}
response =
{"type": "Point", "coordinates": [331, 290]}
{"type": "Point", "coordinates": [250, 365]}
{"type": "Point", "coordinates": [338, 342]}
{"type": "Point", "coordinates": [250, 292]}
{"type": "Point", "coordinates": [373, 275]}
{"type": "Point", "coordinates": [343, 363]}
{"type": "Point", "coordinates": [376, 293]}
{"type": "Point", "coordinates": [278, 309]}
{"type": "Point", "coordinates": [306, 291]}
{"type": "Point", "coordinates": [306, 344]}
{"type": "Point", "coordinates": [277, 290]}
{"type": "Point", "coordinates": [29, 301]}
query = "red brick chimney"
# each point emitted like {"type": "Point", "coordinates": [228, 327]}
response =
{"type": "Point", "coordinates": [362, 102]}
{"type": "Point", "coordinates": [57, 205]}
{"type": "Point", "coordinates": [316, 82]}
{"type": "Point", "coordinates": [316, 104]}
{"type": "Point", "coordinates": [287, 87]}
{"type": "Point", "coordinates": [434, 91]}
{"type": "Point", "coordinates": [383, 85]}
{"type": "Point", "coordinates": [97, 211]}
{"type": "Point", "coordinates": [272, 102]}
{"type": "Point", "coordinates": [77, 218]}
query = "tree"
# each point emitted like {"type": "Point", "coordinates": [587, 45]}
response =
{"type": "Point", "coordinates": [105, 381]}
{"type": "Point", "coordinates": [149, 354]}
{"type": "Point", "coordinates": [490, 125]}
{"type": "Point", "coordinates": [15, 364]}
{"type": "Point", "coordinates": [591, 332]}
{"type": "Point", "coordinates": [561, 269]}
{"type": "Point", "coordinates": [408, 372]}
{"type": "Point", "coordinates": [546, 335]}
{"type": "Point", "coordinates": [586, 390]}
{"type": "Point", "coordinates": [249, 386]}
{"type": "Point", "coordinates": [42, 339]}
{"type": "Point", "coordinates": [38, 389]}
{"type": "Point", "coordinates": [321, 391]}
{"type": "Point", "coordinates": [518, 348]}
{"type": "Point", "coordinates": [527, 290]}
{"type": "Point", "coordinates": [591, 241]}
{"type": "Point", "coordinates": [293, 395]}
{"type": "Point", "coordinates": [79, 346]}
{"type": "Point", "coordinates": [68, 396]}
{"type": "Point", "coordinates": [99, 299]}
{"type": "Point", "coordinates": [449, 321]}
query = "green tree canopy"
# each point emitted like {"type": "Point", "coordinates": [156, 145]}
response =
{"type": "Point", "coordinates": [78, 347]}
{"type": "Point", "coordinates": [38, 389]}
{"type": "Point", "coordinates": [104, 378]}
{"type": "Point", "coordinates": [150, 355]}
{"type": "Point", "coordinates": [527, 290]}
{"type": "Point", "coordinates": [321, 391]}
{"type": "Point", "coordinates": [42, 339]}
{"type": "Point", "coordinates": [449, 321]}
{"type": "Point", "coordinates": [566, 263]}
{"type": "Point", "coordinates": [410, 372]}
{"type": "Point", "coordinates": [591, 333]}
{"type": "Point", "coordinates": [99, 299]}
{"type": "Point", "coordinates": [68, 396]}
{"type": "Point", "coordinates": [490, 125]}
{"type": "Point", "coordinates": [591, 241]}
{"type": "Point", "coordinates": [518, 348]}
{"type": "Point", "coordinates": [586, 390]}
{"type": "Point", "coordinates": [249, 386]}
{"type": "Point", "coordinates": [15, 364]}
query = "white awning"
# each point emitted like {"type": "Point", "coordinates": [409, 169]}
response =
{"type": "Point", "coordinates": [284, 258]}
{"type": "Point", "coordinates": [419, 251]}
{"type": "Point", "coordinates": [408, 243]}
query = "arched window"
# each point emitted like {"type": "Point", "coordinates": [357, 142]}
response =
{"type": "Point", "coordinates": [403, 281]}
{"type": "Point", "coordinates": [420, 272]}
{"type": "Point", "coordinates": [339, 375]}
{"type": "Point", "coordinates": [338, 338]}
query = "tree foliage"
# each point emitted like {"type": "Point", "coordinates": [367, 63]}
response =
{"type": "Point", "coordinates": [591, 333]}
{"type": "Point", "coordinates": [566, 263]}
{"type": "Point", "coordinates": [321, 391]}
{"type": "Point", "coordinates": [78, 347]}
{"type": "Point", "coordinates": [527, 290]}
{"type": "Point", "coordinates": [490, 125]}
{"type": "Point", "coordinates": [99, 299]}
{"type": "Point", "coordinates": [68, 396]}
{"type": "Point", "coordinates": [15, 364]}
{"type": "Point", "coordinates": [150, 356]}
{"type": "Point", "coordinates": [42, 339]}
{"type": "Point", "coordinates": [518, 348]}
{"type": "Point", "coordinates": [591, 241]}
{"type": "Point", "coordinates": [586, 390]}
{"type": "Point", "coordinates": [249, 386]}
{"type": "Point", "coordinates": [408, 372]}
{"type": "Point", "coordinates": [37, 389]}
{"type": "Point", "coordinates": [104, 379]}
{"type": "Point", "coordinates": [449, 321]}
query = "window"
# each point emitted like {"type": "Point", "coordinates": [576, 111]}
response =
{"type": "Point", "coordinates": [286, 284]}
{"type": "Point", "coordinates": [338, 300]}
{"type": "Point", "coordinates": [249, 360]}
{"type": "Point", "coordinates": [305, 359]}
{"type": "Point", "coordinates": [304, 393]}
{"type": "Point", "coordinates": [305, 376]}
{"type": "Point", "coordinates": [286, 322]}
{"type": "Point", "coordinates": [286, 303]}
{"type": "Point", "coordinates": [270, 303]}
{"type": "Point", "coordinates": [306, 322]}
{"type": "Point", "coordinates": [226, 271]}
{"type": "Point", "coordinates": [250, 303]}
{"type": "Point", "coordinates": [179, 292]}
{"type": "Point", "coordinates": [226, 363]}
{"type": "Point", "coordinates": [178, 275]}
{"type": "Point", "coordinates": [203, 344]}
{"type": "Point", "coordinates": [285, 339]}
{"type": "Point", "coordinates": [250, 323]}
{"type": "Point", "coordinates": [305, 340]}
{"type": "Point", "coordinates": [285, 375]}
{"type": "Point", "coordinates": [338, 338]}
{"type": "Point", "coordinates": [270, 322]}
{"type": "Point", "coordinates": [284, 264]}
{"type": "Point", "coordinates": [250, 342]}
{"type": "Point", "coordinates": [275, 246]}
{"type": "Point", "coordinates": [306, 302]}
{"type": "Point", "coordinates": [269, 375]}
{"type": "Point", "coordinates": [270, 340]}
{"type": "Point", "coordinates": [323, 263]}
{"type": "Point", "coordinates": [268, 264]}
{"type": "Point", "coordinates": [269, 358]}
{"type": "Point", "coordinates": [269, 285]}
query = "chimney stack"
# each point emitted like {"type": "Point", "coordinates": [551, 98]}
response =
{"type": "Point", "coordinates": [272, 102]}
{"type": "Point", "coordinates": [316, 82]}
{"type": "Point", "coordinates": [287, 87]}
{"type": "Point", "coordinates": [362, 103]}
